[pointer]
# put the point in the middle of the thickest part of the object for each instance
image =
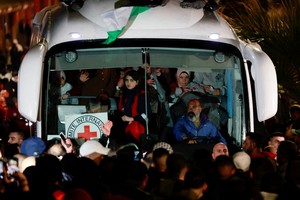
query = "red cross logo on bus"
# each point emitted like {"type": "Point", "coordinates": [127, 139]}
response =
{"type": "Point", "coordinates": [87, 134]}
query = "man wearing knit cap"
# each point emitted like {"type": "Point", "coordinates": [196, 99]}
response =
{"type": "Point", "coordinates": [164, 145]}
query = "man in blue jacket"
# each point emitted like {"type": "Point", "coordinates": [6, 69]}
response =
{"type": "Point", "coordinates": [195, 127]}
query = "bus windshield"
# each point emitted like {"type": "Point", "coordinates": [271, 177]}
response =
{"type": "Point", "coordinates": [91, 80]}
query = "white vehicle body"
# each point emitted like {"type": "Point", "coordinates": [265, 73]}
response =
{"type": "Point", "coordinates": [173, 35]}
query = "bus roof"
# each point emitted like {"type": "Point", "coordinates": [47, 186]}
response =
{"type": "Point", "coordinates": [97, 19]}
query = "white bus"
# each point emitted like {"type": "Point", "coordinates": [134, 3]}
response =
{"type": "Point", "coordinates": [96, 35]}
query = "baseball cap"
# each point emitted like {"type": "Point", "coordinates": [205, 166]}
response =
{"type": "Point", "coordinates": [92, 146]}
{"type": "Point", "coordinates": [33, 146]}
{"type": "Point", "coordinates": [242, 161]}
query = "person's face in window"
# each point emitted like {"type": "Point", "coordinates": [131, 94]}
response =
{"type": "Point", "coordinates": [130, 82]}
{"type": "Point", "coordinates": [148, 69]}
{"type": "Point", "coordinates": [62, 82]}
{"type": "Point", "coordinates": [183, 79]}
{"type": "Point", "coordinates": [195, 107]}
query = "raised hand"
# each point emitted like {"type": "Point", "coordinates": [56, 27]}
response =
{"type": "Point", "coordinates": [106, 127]}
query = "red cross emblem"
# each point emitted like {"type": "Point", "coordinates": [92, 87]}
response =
{"type": "Point", "coordinates": [87, 134]}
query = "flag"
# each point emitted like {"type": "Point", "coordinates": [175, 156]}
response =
{"type": "Point", "coordinates": [117, 19]}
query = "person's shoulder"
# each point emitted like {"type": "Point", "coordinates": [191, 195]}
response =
{"type": "Point", "coordinates": [183, 117]}
{"type": "Point", "coordinates": [204, 118]}
{"type": "Point", "coordinates": [210, 123]}
{"type": "Point", "coordinates": [68, 85]}
{"type": "Point", "coordinates": [182, 120]}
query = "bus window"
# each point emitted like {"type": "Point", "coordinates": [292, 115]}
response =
{"type": "Point", "coordinates": [217, 84]}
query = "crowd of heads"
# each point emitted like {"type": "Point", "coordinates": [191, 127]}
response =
{"type": "Point", "coordinates": [93, 171]}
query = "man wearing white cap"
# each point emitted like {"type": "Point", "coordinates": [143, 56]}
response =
{"type": "Point", "coordinates": [91, 148]}
{"type": "Point", "coordinates": [94, 150]}
{"type": "Point", "coordinates": [242, 161]}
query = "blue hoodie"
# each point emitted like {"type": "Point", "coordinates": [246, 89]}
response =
{"type": "Point", "coordinates": [185, 127]}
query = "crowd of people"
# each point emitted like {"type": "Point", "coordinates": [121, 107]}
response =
{"type": "Point", "coordinates": [64, 169]}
